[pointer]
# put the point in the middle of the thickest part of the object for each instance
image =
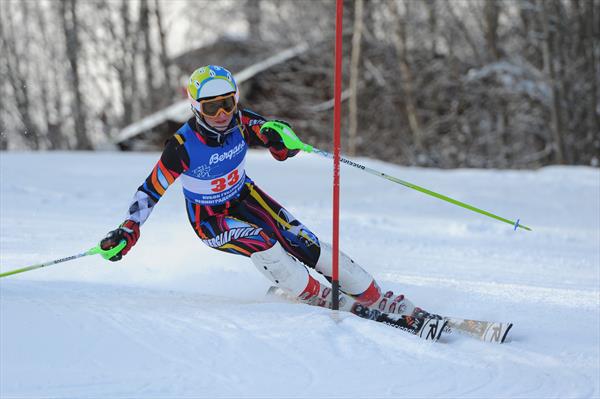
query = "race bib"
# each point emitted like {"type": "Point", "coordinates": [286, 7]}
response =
{"type": "Point", "coordinates": [217, 190]}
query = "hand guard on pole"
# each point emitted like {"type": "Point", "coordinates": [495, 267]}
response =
{"type": "Point", "coordinates": [272, 138]}
{"type": "Point", "coordinates": [129, 232]}
{"type": "Point", "coordinates": [281, 132]}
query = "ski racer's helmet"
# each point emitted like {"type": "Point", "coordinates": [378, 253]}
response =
{"type": "Point", "coordinates": [212, 89]}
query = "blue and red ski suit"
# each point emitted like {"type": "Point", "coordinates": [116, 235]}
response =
{"type": "Point", "coordinates": [226, 209]}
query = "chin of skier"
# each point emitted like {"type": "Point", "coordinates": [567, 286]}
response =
{"type": "Point", "coordinates": [230, 213]}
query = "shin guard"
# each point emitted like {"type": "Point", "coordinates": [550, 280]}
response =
{"type": "Point", "coordinates": [354, 280]}
{"type": "Point", "coordinates": [283, 270]}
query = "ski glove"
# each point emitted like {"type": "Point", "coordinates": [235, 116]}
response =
{"type": "Point", "coordinates": [128, 231]}
{"type": "Point", "coordinates": [272, 139]}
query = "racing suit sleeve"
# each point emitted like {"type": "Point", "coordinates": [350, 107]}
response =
{"type": "Point", "coordinates": [173, 161]}
{"type": "Point", "coordinates": [252, 123]}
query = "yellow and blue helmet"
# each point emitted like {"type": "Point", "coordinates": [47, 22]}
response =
{"type": "Point", "coordinates": [206, 82]}
{"type": "Point", "coordinates": [211, 81]}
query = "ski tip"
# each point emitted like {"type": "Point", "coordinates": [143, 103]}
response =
{"type": "Point", "coordinates": [432, 329]}
{"type": "Point", "coordinates": [442, 330]}
{"type": "Point", "coordinates": [506, 333]}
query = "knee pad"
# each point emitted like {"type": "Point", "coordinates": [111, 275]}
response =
{"type": "Point", "coordinates": [354, 280]}
{"type": "Point", "coordinates": [283, 270]}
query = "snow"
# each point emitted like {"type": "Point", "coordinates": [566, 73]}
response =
{"type": "Point", "coordinates": [177, 319]}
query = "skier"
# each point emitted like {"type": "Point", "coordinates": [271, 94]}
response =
{"type": "Point", "coordinates": [229, 212]}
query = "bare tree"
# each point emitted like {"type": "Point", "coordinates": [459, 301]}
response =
{"type": "Point", "coordinates": [492, 19]}
{"type": "Point", "coordinates": [165, 62]}
{"type": "Point", "coordinates": [125, 64]}
{"type": "Point", "coordinates": [16, 43]}
{"type": "Point", "coordinates": [588, 48]}
{"type": "Point", "coordinates": [70, 25]}
{"type": "Point", "coordinates": [406, 74]}
{"type": "Point", "coordinates": [51, 87]}
{"type": "Point", "coordinates": [253, 15]}
{"type": "Point", "coordinates": [459, 25]}
{"type": "Point", "coordinates": [3, 91]}
{"type": "Point", "coordinates": [354, 76]}
{"type": "Point", "coordinates": [476, 83]}
{"type": "Point", "coordinates": [432, 20]}
{"type": "Point", "coordinates": [147, 53]}
{"type": "Point", "coordinates": [550, 70]}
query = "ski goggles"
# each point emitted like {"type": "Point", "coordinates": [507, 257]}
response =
{"type": "Point", "coordinates": [213, 106]}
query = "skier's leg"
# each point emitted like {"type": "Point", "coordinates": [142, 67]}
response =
{"type": "Point", "coordinates": [233, 235]}
{"type": "Point", "coordinates": [293, 277]}
{"type": "Point", "coordinates": [300, 242]}
{"type": "Point", "coordinates": [295, 238]}
{"type": "Point", "coordinates": [283, 270]}
{"type": "Point", "coordinates": [354, 280]}
{"type": "Point", "coordinates": [259, 222]}
{"type": "Point", "coordinates": [226, 233]}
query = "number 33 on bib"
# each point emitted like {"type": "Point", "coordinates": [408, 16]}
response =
{"type": "Point", "coordinates": [222, 183]}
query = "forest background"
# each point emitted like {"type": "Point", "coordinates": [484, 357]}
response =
{"type": "Point", "coordinates": [443, 83]}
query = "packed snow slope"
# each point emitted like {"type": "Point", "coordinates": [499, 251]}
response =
{"type": "Point", "coordinates": [177, 319]}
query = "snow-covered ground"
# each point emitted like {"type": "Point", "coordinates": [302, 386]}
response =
{"type": "Point", "coordinates": [176, 319]}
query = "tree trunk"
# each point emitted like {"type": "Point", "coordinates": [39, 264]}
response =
{"type": "Point", "coordinates": [50, 87]}
{"type": "Point", "coordinates": [3, 93]}
{"type": "Point", "coordinates": [70, 25]}
{"type": "Point", "coordinates": [144, 31]}
{"type": "Point", "coordinates": [492, 16]}
{"type": "Point", "coordinates": [354, 76]}
{"type": "Point", "coordinates": [432, 22]}
{"type": "Point", "coordinates": [16, 63]}
{"type": "Point", "coordinates": [463, 29]}
{"type": "Point", "coordinates": [165, 61]}
{"type": "Point", "coordinates": [126, 66]}
{"type": "Point", "coordinates": [549, 56]}
{"type": "Point", "coordinates": [253, 18]}
{"type": "Point", "coordinates": [593, 51]}
{"type": "Point", "coordinates": [406, 77]}
{"type": "Point", "coordinates": [3, 133]}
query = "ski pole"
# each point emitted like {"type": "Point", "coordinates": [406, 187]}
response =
{"type": "Point", "coordinates": [106, 254]}
{"type": "Point", "coordinates": [292, 142]}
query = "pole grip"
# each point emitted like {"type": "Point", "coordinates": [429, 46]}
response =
{"type": "Point", "coordinates": [108, 253]}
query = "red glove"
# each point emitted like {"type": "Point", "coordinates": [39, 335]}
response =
{"type": "Point", "coordinates": [128, 231]}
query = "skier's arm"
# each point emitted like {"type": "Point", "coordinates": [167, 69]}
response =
{"type": "Point", "coordinates": [173, 161]}
{"type": "Point", "coordinates": [252, 123]}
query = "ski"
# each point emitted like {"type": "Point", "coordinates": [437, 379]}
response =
{"type": "Point", "coordinates": [427, 328]}
{"type": "Point", "coordinates": [485, 331]}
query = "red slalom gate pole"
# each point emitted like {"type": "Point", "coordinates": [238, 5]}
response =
{"type": "Point", "coordinates": [337, 105]}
